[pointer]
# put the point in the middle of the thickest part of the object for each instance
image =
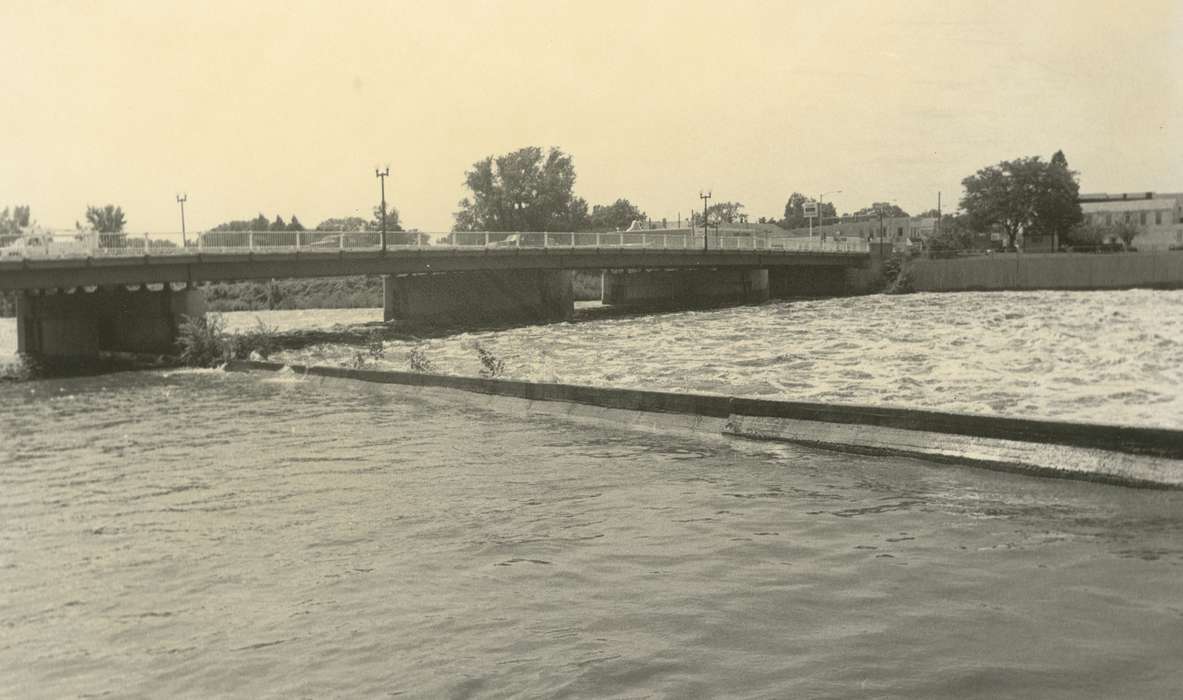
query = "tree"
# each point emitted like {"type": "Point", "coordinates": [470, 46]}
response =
{"type": "Point", "coordinates": [522, 191]}
{"type": "Point", "coordinates": [1057, 209]}
{"type": "Point", "coordinates": [617, 216]}
{"type": "Point", "coordinates": [12, 222]}
{"type": "Point", "coordinates": [294, 224]}
{"type": "Point", "coordinates": [953, 235]}
{"type": "Point", "coordinates": [346, 224]}
{"type": "Point", "coordinates": [1088, 235]}
{"type": "Point", "coordinates": [108, 219]}
{"type": "Point", "coordinates": [392, 219]}
{"type": "Point", "coordinates": [886, 209]}
{"type": "Point", "coordinates": [721, 213]}
{"type": "Point", "coordinates": [1023, 196]}
{"type": "Point", "coordinates": [1125, 231]}
{"type": "Point", "coordinates": [278, 224]}
{"type": "Point", "coordinates": [795, 211]}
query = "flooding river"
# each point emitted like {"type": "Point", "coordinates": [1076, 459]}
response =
{"type": "Point", "coordinates": [1104, 357]}
{"type": "Point", "coordinates": [200, 533]}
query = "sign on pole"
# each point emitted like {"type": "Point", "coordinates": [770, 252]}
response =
{"type": "Point", "coordinates": [809, 209]}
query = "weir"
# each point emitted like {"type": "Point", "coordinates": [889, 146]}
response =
{"type": "Point", "coordinates": [1124, 455]}
{"type": "Point", "coordinates": [78, 323]}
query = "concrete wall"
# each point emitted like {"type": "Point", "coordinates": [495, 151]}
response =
{"type": "Point", "coordinates": [785, 282]}
{"type": "Point", "coordinates": [502, 295]}
{"type": "Point", "coordinates": [1118, 454]}
{"type": "Point", "coordinates": [676, 287]}
{"type": "Point", "coordinates": [1050, 271]}
{"type": "Point", "coordinates": [79, 323]}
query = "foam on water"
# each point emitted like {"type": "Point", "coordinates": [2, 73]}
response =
{"type": "Point", "coordinates": [1108, 357]}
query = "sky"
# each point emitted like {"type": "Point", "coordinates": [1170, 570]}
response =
{"type": "Point", "coordinates": [286, 107]}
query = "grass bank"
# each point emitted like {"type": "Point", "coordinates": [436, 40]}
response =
{"type": "Point", "coordinates": [312, 293]}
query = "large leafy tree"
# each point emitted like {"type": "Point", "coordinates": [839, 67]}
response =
{"type": "Point", "coordinates": [259, 223]}
{"type": "Point", "coordinates": [525, 190]}
{"type": "Point", "coordinates": [1023, 196]}
{"type": "Point", "coordinates": [107, 219]}
{"type": "Point", "coordinates": [347, 224]}
{"type": "Point", "coordinates": [1057, 210]}
{"type": "Point", "coordinates": [886, 209]}
{"type": "Point", "coordinates": [721, 213]}
{"type": "Point", "coordinates": [12, 221]}
{"type": "Point", "coordinates": [393, 222]}
{"type": "Point", "coordinates": [795, 211]}
{"type": "Point", "coordinates": [617, 216]}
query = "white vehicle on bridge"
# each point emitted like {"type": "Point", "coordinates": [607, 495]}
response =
{"type": "Point", "coordinates": [38, 243]}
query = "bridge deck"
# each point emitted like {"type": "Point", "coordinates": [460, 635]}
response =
{"type": "Point", "coordinates": [185, 267]}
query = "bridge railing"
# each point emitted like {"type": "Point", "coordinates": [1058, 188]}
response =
{"type": "Point", "coordinates": [74, 244]}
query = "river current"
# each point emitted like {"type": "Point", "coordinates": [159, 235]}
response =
{"type": "Point", "coordinates": [201, 533]}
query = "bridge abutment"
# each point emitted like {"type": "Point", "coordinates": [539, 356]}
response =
{"type": "Point", "coordinates": [82, 324]}
{"type": "Point", "coordinates": [685, 287]}
{"type": "Point", "coordinates": [488, 295]}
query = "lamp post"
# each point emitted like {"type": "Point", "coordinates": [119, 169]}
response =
{"type": "Point", "coordinates": [181, 199]}
{"type": "Point", "coordinates": [704, 196]}
{"type": "Point", "coordinates": [381, 175]}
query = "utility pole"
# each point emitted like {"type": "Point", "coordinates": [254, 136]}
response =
{"type": "Point", "coordinates": [181, 199]}
{"type": "Point", "coordinates": [381, 175]}
{"type": "Point", "coordinates": [938, 226]}
{"type": "Point", "coordinates": [704, 196]}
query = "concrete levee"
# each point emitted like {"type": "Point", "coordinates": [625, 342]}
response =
{"type": "Point", "coordinates": [1015, 271]}
{"type": "Point", "coordinates": [501, 295]}
{"type": "Point", "coordinates": [79, 323]}
{"type": "Point", "coordinates": [695, 286]}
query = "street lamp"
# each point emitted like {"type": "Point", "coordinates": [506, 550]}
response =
{"type": "Point", "coordinates": [181, 199]}
{"type": "Point", "coordinates": [879, 210]}
{"type": "Point", "coordinates": [704, 196]}
{"type": "Point", "coordinates": [381, 175]}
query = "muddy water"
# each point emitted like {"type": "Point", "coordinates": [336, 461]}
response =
{"type": "Point", "coordinates": [201, 533]}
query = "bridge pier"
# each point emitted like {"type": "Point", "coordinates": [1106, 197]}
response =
{"type": "Point", "coordinates": [821, 281]}
{"type": "Point", "coordinates": [689, 287]}
{"type": "Point", "coordinates": [481, 296]}
{"type": "Point", "coordinates": [80, 324]}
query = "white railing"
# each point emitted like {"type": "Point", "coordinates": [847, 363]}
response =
{"type": "Point", "coordinates": [72, 244]}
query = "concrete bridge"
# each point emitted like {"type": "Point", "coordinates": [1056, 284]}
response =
{"type": "Point", "coordinates": [130, 298]}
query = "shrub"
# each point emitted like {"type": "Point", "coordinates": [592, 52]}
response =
{"type": "Point", "coordinates": [261, 339]}
{"type": "Point", "coordinates": [420, 362]}
{"type": "Point", "coordinates": [201, 341]}
{"type": "Point", "coordinates": [491, 365]}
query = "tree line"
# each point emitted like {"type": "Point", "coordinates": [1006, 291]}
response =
{"type": "Point", "coordinates": [533, 190]}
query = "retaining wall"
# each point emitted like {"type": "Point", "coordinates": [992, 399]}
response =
{"type": "Point", "coordinates": [1016, 271]}
{"type": "Point", "coordinates": [1118, 454]}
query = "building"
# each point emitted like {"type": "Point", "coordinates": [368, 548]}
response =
{"type": "Point", "coordinates": [902, 232]}
{"type": "Point", "coordinates": [1158, 216]}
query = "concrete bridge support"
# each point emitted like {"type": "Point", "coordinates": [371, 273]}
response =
{"type": "Point", "coordinates": [77, 323]}
{"type": "Point", "coordinates": [688, 287]}
{"type": "Point", "coordinates": [822, 281]}
{"type": "Point", "coordinates": [484, 296]}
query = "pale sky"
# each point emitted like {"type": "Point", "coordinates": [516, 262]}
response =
{"type": "Point", "coordinates": [286, 107]}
